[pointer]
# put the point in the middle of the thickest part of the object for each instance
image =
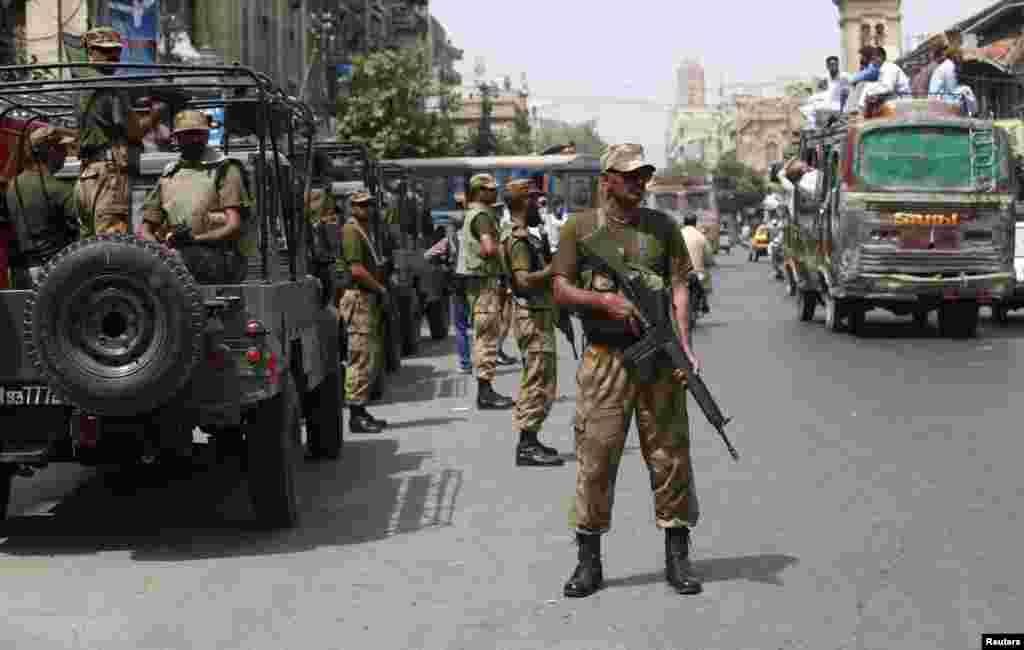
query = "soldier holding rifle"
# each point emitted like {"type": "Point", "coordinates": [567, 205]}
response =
{"type": "Point", "coordinates": [610, 391]}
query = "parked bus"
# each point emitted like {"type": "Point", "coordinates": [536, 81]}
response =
{"type": "Point", "coordinates": [569, 181]}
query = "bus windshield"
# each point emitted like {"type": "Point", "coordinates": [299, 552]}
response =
{"type": "Point", "coordinates": [922, 158]}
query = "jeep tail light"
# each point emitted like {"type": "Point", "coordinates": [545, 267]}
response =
{"type": "Point", "coordinates": [272, 362]}
{"type": "Point", "coordinates": [88, 431]}
{"type": "Point", "coordinates": [255, 328]}
{"type": "Point", "coordinates": [253, 356]}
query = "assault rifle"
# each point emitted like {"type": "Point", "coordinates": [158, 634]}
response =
{"type": "Point", "coordinates": [564, 322]}
{"type": "Point", "coordinates": [658, 342]}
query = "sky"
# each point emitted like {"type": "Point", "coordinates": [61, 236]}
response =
{"type": "Point", "coordinates": [615, 62]}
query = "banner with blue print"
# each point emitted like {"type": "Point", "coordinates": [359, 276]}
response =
{"type": "Point", "coordinates": [138, 22]}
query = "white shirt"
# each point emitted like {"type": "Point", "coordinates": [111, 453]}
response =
{"type": "Point", "coordinates": [807, 185]}
{"type": "Point", "coordinates": [835, 91]}
{"type": "Point", "coordinates": [553, 225]}
{"type": "Point", "coordinates": [892, 77]}
{"type": "Point", "coordinates": [696, 245]}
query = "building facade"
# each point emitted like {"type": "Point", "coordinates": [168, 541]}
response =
{"type": "Point", "coordinates": [701, 134]}
{"type": "Point", "coordinates": [869, 22]}
{"type": "Point", "coordinates": [507, 103]}
{"type": "Point", "coordinates": [765, 127]}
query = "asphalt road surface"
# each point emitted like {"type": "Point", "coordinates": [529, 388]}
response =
{"type": "Point", "coordinates": [875, 507]}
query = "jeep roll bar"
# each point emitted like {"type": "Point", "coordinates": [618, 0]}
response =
{"type": "Point", "coordinates": [253, 108]}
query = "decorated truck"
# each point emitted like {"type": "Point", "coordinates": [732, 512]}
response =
{"type": "Point", "coordinates": [913, 213]}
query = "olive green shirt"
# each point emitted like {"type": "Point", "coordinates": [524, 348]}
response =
{"type": "Point", "coordinates": [355, 249]}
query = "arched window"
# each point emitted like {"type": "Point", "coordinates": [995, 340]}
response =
{"type": "Point", "coordinates": [865, 35]}
{"type": "Point", "coordinates": [880, 35]}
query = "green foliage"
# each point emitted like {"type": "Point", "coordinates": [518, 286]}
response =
{"type": "Point", "coordinates": [552, 132]}
{"type": "Point", "coordinates": [387, 106]}
{"type": "Point", "coordinates": [687, 168]}
{"type": "Point", "coordinates": [738, 185]}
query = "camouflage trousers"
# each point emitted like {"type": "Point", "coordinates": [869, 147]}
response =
{"type": "Point", "coordinates": [608, 396]}
{"type": "Point", "coordinates": [538, 386]}
{"type": "Point", "coordinates": [508, 317]}
{"type": "Point", "coordinates": [486, 307]}
{"type": "Point", "coordinates": [103, 197]}
{"type": "Point", "coordinates": [361, 314]}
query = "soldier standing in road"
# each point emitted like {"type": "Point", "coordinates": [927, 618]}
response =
{"type": "Point", "coordinates": [197, 206]}
{"type": "Point", "coordinates": [111, 138]}
{"type": "Point", "coordinates": [534, 316]}
{"type": "Point", "coordinates": [361, 308]}
{"type": "Point", "coordinates": [609, 392]}
{"type": "Point", "coordinates": [41, 206]}
{"type": "Point", "coordinates": [480, 263]}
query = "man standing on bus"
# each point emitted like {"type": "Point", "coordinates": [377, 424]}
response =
{"type": "Point", "coordinates": [481, 265]}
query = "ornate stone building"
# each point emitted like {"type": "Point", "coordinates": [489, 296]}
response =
{"type": "Point", "coordinates": [869, 22]}
{"type": "Point", "coordinates": [764, 128]}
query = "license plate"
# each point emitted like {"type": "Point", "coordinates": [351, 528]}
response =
{"type": "Point", "coordinates": [28, 396]}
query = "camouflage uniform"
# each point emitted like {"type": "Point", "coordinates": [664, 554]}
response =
{"type": "Point", "coordinates": [361, 310]}
{"type": "Point", "coordinates": [111, 137]}
{"type": "Point", "coordinates": [485, 292]}
{"type": "Point", "coordinates": [197, 194]}
{"type": "Point", "coordinates": [609, 392]}
{"type": "Point", "coordinates": [533, 316]}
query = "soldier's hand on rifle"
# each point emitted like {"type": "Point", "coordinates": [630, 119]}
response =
{"type": "Point", "coordinates": [619, 308]}
{"type": "Point", "coordinates": [180, 236]}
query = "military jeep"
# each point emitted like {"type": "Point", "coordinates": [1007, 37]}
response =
{"type": "Point", "coordinates": [118, 355]}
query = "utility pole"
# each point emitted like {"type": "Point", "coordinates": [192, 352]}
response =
{"type": "Point", "coordinates": [486, 144]}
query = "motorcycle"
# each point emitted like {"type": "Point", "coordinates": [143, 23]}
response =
{"type": "Point", "coordinates": [775, 254]}
{"type": "Point", "coordinates": [699, 306]}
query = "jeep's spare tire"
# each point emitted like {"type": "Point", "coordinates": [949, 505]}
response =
{"type": "Point", "coordinates": [115, 325]}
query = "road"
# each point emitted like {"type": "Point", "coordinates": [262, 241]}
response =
{"type": "Point", "coordinates": [876, 506]}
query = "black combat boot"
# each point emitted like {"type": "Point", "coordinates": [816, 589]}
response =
{"type": "Point", "coordinates": [588, 576]}
{"type": "Point", "coordinates": [383, 424]}
{"type": "Point", "coordinates": [359, 421]}
{"type": "Point", "coordinates": [505, 360]}
{"type": "Point", "coordinates": [678, 570]}
{"type": "Point", "coordinates": [530, 453]}
{"type": "Point", "coordinates": [487, 399]}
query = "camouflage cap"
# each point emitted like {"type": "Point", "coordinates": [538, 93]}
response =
{"type": "Point", "coordinates": [625, 158]}
{"type": "Point", "coordinates": [360, 198]}
{"type": "Point", "coordinates": [191, 120]}
{"type": "Point", "coordinates": [50, 135]}
{"type": "Point", "coordinates": [482, 182]}
{"type": "Point", "coordinates": [102, 37]}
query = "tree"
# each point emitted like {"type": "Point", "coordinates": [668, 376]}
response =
{"type": "Point", "coordinates": [738, 185]}
{"type": "Point", "coordinates": [687, 168]}
{"type": "Point", "coordinates": [552, 132]}
{"type": "Point", "coordinates": [517, 142]}
{"type": "Point", "coordinates": [387, 108]}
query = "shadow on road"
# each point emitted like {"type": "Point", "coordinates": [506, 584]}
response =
{"type": "Point", "coordinates": [372, 493]}
{"type": "Point", "coordinates": [423, 422]}
{"type": "Point", "coordinates": [422, 382]}
{"type": "Point", "coordinates": [755, 568]}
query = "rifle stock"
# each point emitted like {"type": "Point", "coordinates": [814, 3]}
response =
{"type": "Point", "coordinates": [659, 339]}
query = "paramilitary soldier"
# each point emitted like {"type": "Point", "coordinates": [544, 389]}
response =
{"type": "Point", "coordinates": [197, 206]}
{"type": "Point", "coordinates": [111, 138]}
{"type": "Point", "coordinates": [609, 392]}
{"type": "Point", "coordinates": [480, 263]}
{"type": "Point", "coordinates": [361, 307]}
{"type": "Point", "coordinates": [41, 206]}
{"type": "Point", "coordinates": [534, 316]}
